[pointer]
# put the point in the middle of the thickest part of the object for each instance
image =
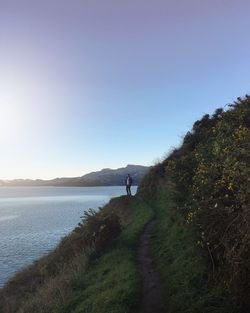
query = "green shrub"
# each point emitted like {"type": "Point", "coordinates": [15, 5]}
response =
{"type": "Point", "coordinates": [98, 229]}
{"type": "Point", "coordinates": [210, 188]}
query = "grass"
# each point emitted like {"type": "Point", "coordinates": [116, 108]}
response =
{"type": "Point", "coordinates": [112, 284]}
{"type": "Point", "coordinates": [181, 265]}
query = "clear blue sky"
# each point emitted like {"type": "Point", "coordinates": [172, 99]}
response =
{"type": "Point", "coordinates": [102, 83]}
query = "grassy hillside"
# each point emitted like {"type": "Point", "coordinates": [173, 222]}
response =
{"type": "Point", "coordinates": [201, 191]}
{"type": "Point", "coordinates": [93, 269]}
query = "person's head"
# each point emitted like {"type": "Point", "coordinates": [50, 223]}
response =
{"type": "Point", "coordinates": [128, 175]}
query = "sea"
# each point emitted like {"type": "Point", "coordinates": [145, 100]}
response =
{"type": "Point", "coordinates": [34, 219]}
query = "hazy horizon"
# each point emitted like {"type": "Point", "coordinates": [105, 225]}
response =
{"type": "Point", "coordinates": [86, 85]}
{"type": "Point", "coordinates": [50, 178]}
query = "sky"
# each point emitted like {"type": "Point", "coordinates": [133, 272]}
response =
{"type": "Point", "coordinates": [92, 84]}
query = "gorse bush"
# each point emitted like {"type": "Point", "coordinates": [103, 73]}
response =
{"type": "Point", "coordinates": [98, 229]}
{"type": "Point", "coordinates": [210, 182]}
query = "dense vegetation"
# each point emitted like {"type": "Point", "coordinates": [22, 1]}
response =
{"type": "Point", "coordinates": [93, 269]}
{"type": "Point", "coordinates": [202, 241]}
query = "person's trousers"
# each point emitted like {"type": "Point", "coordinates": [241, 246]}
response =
{"type": "Point", "coordinates": [128, 190]}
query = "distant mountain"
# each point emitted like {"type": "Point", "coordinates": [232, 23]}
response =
{"type": "Point", "coordinates": [105, 177]}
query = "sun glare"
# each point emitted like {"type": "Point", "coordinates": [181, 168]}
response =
{"type": "Point", "coordinates": [12, 111]}
{"type": "Point", "coordinates": [8, 122]}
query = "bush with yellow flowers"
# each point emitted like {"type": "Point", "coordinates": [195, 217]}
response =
{"type": "Point", "coordinates": [210, 173]}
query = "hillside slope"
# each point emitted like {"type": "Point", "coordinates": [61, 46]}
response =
{"type": "Point", "coordinates": [201, 191]}
{"type": "Point", "coordinates": [93, 269]}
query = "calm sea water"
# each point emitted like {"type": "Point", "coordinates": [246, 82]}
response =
{"type": "Point", "coordinates": [33, 220]}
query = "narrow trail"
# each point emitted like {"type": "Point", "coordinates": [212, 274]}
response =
{"type": "Point", "coordinates": [151, 301]}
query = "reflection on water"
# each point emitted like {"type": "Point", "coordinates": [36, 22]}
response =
{"type": "Point", "coordinates": [33, 219]}
{"type": "Point", "coordinates": [7, 217]}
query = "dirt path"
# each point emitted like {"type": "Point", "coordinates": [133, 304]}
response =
{"type": "Point", "coordinates": [151, 295]}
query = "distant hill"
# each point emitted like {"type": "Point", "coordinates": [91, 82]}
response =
{"type": "Point", "coordinates": [105, 177]}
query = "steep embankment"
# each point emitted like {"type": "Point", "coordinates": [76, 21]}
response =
{"type": "Point", "coordinates": [201, 244]}
{"type": "Point", "coordinates": [92, 270]}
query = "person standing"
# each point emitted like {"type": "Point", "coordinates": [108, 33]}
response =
{"type": "Point", "coordinates": [128, 183]}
